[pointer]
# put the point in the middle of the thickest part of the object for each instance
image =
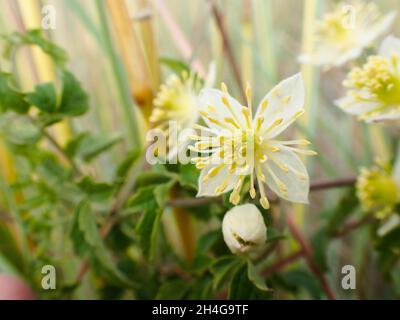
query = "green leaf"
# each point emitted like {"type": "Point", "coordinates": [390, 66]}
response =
{"type": "Point", "coordinates": [202, 258]}
{"type": "Point", "coordinates": [92, 146]}
{"type": "Point", "coordinates": [44, 97]}
{"type": "Point", "coordinates": [74, 101]}
{"type": "Point", "coordinates": [142, 200]}
{"type": "Point", "coordinates": [72, 146]}
{"type": "Point", "coordinates": [148, 225]}
{"type": "Point", "coordinates": [189, 175]}
{"type": "Point", "coordinates": [319, 243]}
{"type": "Point", "coordinates": [21, 131]}
{"type": "Point", "coordinates": [126, 164]}
{"type": "Point", "coordinates": [76, 234]}
{"type": "Point", "coordinates": [10, 256]}
{"type": "Point", "coordinates": [86, 239]}
{"type": "Point", "coordinates": [241, 288]}
{"type": "Point", "coordinates": [146, 229]}
{"type": "Point", "coordinates": [34, 37]}
{"type": "Point", "coordinates": [10, 98]}
{"type": "Point", "coordinates": [149, 178]}
{"type": "Point", "coordinates": [343, 210]}
{"type": "Point", "coordinates": [173, 290]}
{"type": "Point", "coordinates": [96, 191]}
{"type": "Point", "coordinates": [254, 277]}
{"type": "Point", "coordinates": [177, 66]}
{"type": "Point", "coordinates": [222, 269]}
{"type": "Point", "coordinates": [304, 280]}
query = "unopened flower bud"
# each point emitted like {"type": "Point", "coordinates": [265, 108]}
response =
{"type": "Point", "coordinates": [244, 228]}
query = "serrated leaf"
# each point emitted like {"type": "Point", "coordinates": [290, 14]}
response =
{"type": "Point", "coordinates": [10, 98]}
{"type": "Point", "coordinates": [255, 278]}
{"type": "Point", "coordinates": [74, 101]}
{"type": "Point", "coordinates": [44, 97]}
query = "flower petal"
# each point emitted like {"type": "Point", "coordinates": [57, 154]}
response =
{"type": "Point", "coordinates": [208, 187]}
{"type": "Point", "coordinates": [390, 45]}
{"type": "Point", "coordinates": [351, 106]}
{"type": "Point", "coordinates": [295, 180]}
{"type": "Point", "coordinates": [284, 101]}
{"type": "Point", "coordinates": [390, 117]}
{"type": "Point", "coordinates": [377, 29]}
{"type": "Point", "coordinates": [211, 103]}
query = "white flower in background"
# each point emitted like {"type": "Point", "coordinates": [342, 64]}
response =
{"type": "Point", "coordinates": [373, 91]}
{"type": "Point", "coordinates": [237, 145]}
{"type": "Point", "coordinates": [244, 228]}
{"type": "Point", "coordinates": [176, 108]}
{"type": "Point", "coordinates": [345, 32]}
{"type": "Point", "coordinates": [176, 102]}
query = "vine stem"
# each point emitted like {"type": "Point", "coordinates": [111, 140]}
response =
{"type": "Point", "coordinates": [307, 253]}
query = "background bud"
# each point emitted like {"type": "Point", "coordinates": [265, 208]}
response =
{"type": "Point", "coordinates": [244, 228]}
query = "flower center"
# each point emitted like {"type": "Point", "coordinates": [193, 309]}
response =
{"type": "Point", "coordinates": [380, 77]}
{"type": "Point", "coordinates": [377, 190]}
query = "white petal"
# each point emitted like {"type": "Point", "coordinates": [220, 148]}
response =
{"type": "Point", "coordinates": [297, 184]}
{"type": "Point", "coordinates": [277, 108]}
{"type": "Point", "coordinates": [213, 97]}
{"type": "Point", "coordinates": [390, 117]}
{"type": "Point", "coordinates": [390, 45]}
{"type": "Point", "coordinates": [377, 29]}
{"type": "Point", "coordinates": [351, 106]}
{"type": "Point", "coordinates": [208, 187]}
{"type": "Point", "coordinates": [347, 56]}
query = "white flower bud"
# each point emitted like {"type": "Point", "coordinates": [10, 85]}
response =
{"type": "Point", "coordinates": [243, 228]}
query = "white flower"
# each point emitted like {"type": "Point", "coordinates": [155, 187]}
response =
{"type": "Point", "coordinates": [238, 145]}
{"type": "Point", "coordinates": [244, 228]}
{"type": "Point", "coordinates": [176, 103]}
{"type": "Point", "coordinates": [374, 89]}
{"type": "Point", "coordinates": [345, 32]}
